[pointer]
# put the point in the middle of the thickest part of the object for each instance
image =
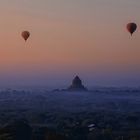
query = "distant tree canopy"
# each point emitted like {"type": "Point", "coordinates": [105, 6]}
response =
{"type": "Point", "coordinates": [19, 130]}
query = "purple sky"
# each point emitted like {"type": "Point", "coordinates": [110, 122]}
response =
{"type": "Point", "coordinates": [84, 37]}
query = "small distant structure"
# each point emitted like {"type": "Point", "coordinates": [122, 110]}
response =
{"type": "Point", "coordinates": [77, 85]}
{"type": "Point", "coordinates": [91, 127]}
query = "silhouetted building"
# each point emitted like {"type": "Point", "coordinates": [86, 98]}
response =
{"type": "Point", "coordinates": [77, 85]}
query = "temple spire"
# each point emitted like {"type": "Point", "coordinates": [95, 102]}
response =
{"type": "Point", "coordinates": [77, 85]}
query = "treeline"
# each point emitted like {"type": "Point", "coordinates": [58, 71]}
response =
{"type": "Point", "coordinates": [21, 130]}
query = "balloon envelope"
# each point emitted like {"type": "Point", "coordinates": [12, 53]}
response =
{"type": "Point", "coordinates": [25, 35]}
{"type": "Point", "coordinates": [131, 27]}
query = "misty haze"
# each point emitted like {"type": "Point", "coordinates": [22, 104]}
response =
{"type": "Point", "coordinates": [69, 70]}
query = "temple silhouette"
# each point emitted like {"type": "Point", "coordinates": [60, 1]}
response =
{"type": "Point", "coordinates": [77, 85]}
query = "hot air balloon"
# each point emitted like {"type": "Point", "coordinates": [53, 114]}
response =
{"type": "Point", "coordinates": [25, 35]}
{"type": "Point", "coordinates": [131, 27]}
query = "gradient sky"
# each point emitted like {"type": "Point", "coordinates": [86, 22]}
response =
{"type": "Point", "coordinates": [69, 37]}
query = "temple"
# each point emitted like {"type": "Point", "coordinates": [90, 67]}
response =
{"type": "Point", "coordinates": [77, 85]}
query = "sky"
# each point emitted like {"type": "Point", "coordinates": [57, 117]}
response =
{"type": "Point", "coordinates": [69, 37]}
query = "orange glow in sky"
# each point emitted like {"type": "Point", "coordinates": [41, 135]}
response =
{"type": "Point", "coordinates": [73, 36]}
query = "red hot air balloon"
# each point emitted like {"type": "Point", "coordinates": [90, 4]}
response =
{"type": "Point", "coordinates": [131, 27]}
{"type": "Point", "coordinates": [25, 35]}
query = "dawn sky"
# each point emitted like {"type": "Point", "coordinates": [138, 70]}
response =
{"type": "Point", "coordinates": [68, 37]}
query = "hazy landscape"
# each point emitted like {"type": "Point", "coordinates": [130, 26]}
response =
{"type": "Point", "coordinates": [111, 112]}
{"type": "Point", "coordinates": [44, 44]}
